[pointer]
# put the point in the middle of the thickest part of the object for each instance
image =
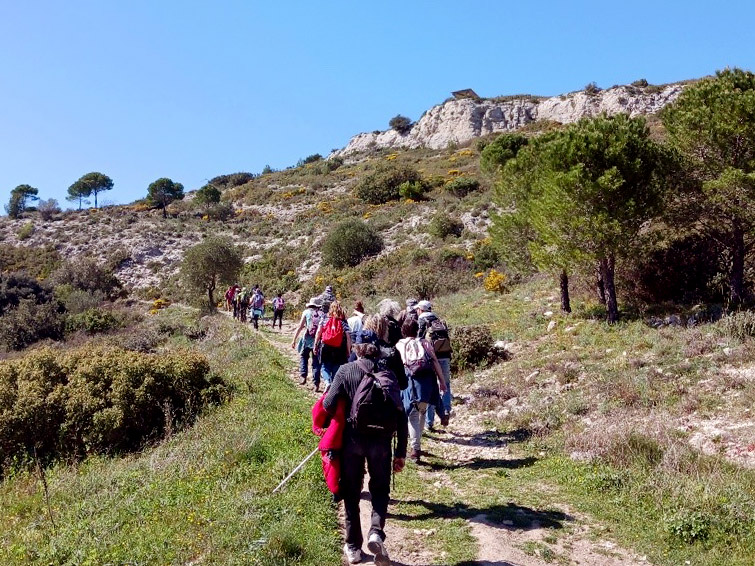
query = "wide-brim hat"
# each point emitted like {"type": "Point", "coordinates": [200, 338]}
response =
{"type": "Point", "coordinates": [425, 305]}
{"type": "Point", "coordinates": [313, 302]}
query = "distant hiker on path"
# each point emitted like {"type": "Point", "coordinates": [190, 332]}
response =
{"type": "Point", "coordinates": [425, 381]}
{"type": "Point", "coordinates": [356, 319]}
{"type": "Point", "coordinates": [257, 306]}
{"type": "Point", "coordinates": [279, 305]}
{"type": "Point", "coordinates": [229, 294]}
{"type": "Point", "coordinates": [370, 443]}
{"type": "Point", "coordinates": [310, 323]}
{"type": "Point", "coordinates": [326, 298]}
{"type": "Point", "coordinates": [391, 310]}
{"type": "Point", "coordinates": [436, 330]}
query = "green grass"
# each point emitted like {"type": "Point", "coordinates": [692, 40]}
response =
{"type": "Point", "coordinates": [204, 494]}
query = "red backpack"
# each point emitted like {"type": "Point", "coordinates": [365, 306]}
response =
{"type": "Point", "coordinates": [332, 332]}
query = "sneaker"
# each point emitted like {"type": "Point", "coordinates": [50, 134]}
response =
{"type": "Point", "coordinates": [376, 546]}
{"type": "Point", "coordinates": [302, 380]}
{"type": "Point", "coordinates": [430, 428]}
{"type": "Point", "coordinates": [444, 420]}
{"type": "Point", "coordinates": [353, 555]}
{"type": "Point", "coordinates": [414, 456]}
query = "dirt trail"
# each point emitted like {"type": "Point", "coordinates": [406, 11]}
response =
{"type": "Point", "coordinates": [521, 542]}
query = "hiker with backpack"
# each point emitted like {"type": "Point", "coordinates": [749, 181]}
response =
{"type": "Point", "coordinates": [355, 320]}
{"type": "Point", "coordinates": [391, 310]}
{"type": "Point", "coordinates": [279, 305]}
{"type": "Point", "coordinates": [437, 331]}
{"type": "Point", "coordinates": [375, 414]}
{"type": "Point", "coordinates": [426, 383]}
{"type": "Point", "coordinates": [229, 294]}
{"type": "Point", "coordinates": [375, 331]}
{"type": "Point", "coordinates": [242, 303]}
{"type": "Point", "coordinates": [309, 323]}
{"type": "Point", "coordinates": [333, 342]}
{"type": "Point", "coordinates": [327, 297]}
{"type": "Point", "coordinates": [257, 306]}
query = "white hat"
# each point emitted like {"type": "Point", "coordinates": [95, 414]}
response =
{"type": "Point", "coordinates": [425, 305]}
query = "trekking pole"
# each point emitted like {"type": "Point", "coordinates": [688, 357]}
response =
{"type": "Point", "coordinates": [296, 469]}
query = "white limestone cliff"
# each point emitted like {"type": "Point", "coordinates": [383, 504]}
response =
{"type": "Point", "coordinates": [459, 121]}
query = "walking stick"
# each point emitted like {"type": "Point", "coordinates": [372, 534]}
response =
{"type": "Point", "coordinates": [296, 469]}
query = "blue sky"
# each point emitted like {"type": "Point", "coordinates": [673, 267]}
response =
{"type": "Point", "coordinates": [189, 90]}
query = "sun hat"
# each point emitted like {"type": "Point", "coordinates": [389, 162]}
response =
{"type": "Point", "coordinates": [411, 303]}
{"type": "Point", "coordinates": [313, 302]}
{"type": "Point", "coordinates": [425, 305]}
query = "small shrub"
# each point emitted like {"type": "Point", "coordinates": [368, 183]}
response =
{"type": "Point", "coordinates": [485, 255]}
{"type": "Point", "coordinates": [471, 345]}
{"type": "Point", "coordinates": [48, 209]}
{"type": "Point", "coordinates": [442, 226]}
{"type": "Point", "coordinates": [25, 232]}
{"type": "Point", "coordinates": [412, 190]}
{"type": "Point", "coordinates": [87, 275]}
{"type": "Point", "coordinates": [499, 151]}
{"type": "Point", "coordinates": [739, 325]}
{"type": "Point", "coordinates": [462, 186]}
{"type": "Point", "coordinates": [93, 321]}
{"type": "Point", "coordinates": [77, 301]}
{"type": "Point", "coordinates": [382, 185]}
{"type": "Point", "coordinates": [592, 88]}
{"type": "Point", "coordinates": [30, 322]}
{"type": "Point", "coordinates": [688, 526]}
{"type": "Point", "coordinates": [495, 282]}
{"type": "Point", "coordinates": [400, 123]}
{"type": "Point", "coordinates": [641, 83]}
{"type": "Point", "coordinates": [315, 157]}
{"type": "Point", "coordinates": [220, 211]}
{"type": "Point", "coordinates": [232, 180]}
{"type": "Point", "coordinates": [349, 243]}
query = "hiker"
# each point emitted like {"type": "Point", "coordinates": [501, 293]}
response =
{"type": "Point", "coordinates": [425, 380]}
{"type": "Point", "coordinates": [257, 306]}
{"type": "Point", "coordinates": [279, 305]}
{"type": "Point", "coordinates": [242, 303]}
{"type": "Point", "coordinates": [410, 311]}
{"type": "Point", "coordinates": [375, 331]}
{"type": "Point", "coordinates": [361, 444]}
{"type": "Point", "coordinates": [356, 320]}
{"type": "Point", "coordinates": [327, 297]}
{"type": "Point", "coordinates": [391, 310]}
{"type": "Point", "coordinates": [437, 331]}
{"type": "Point", "coordinates": [310, 323]}
{"type": "Point", "coordinates": [333, 342]}
{"type": "Point", "coordinates": [229, 297]}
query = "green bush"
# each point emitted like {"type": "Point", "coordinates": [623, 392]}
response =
{"type": "Point", "coordinates": [97, 400]}
{"type": "Point", "coordinates": [93, 321]}
{"type": "Point", "coordinates": [414, 190]}
{"type": "Point", "coordinates": [462, 186]}
{"type": "Point", "coordinates": [37, 262]}
{"type": "Point", "coordinates": [232, 180]}
{"type": "Point", "coordinates": [86, 275]}
{"type": "Point", "coordinates": [400, 123]}
{"type": "Point", "coordinates": [472, 345]}
{"type": "Point", "coordinates": [442, 226]}
{"type": "Point", "coordinates": [25, 232]}
{"type": "Point", "coordinates": [499, 151]}
{"type": "Point", "coordinates": [485, 255]}
{"type": "Point", "coordinates": [30, 322]}
{"type": "Point", "coordinates": [349, 243]}
{"type": "Point", "coordinates": [382, 185]}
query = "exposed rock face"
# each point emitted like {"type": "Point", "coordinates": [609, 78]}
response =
{"type": "Point", "coordinates": [459, 121]}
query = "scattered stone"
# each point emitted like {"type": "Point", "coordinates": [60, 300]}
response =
{"type": "Point", "coordinates": [551, 325]}
{"type": "Point", "coordinates": [548, 314]}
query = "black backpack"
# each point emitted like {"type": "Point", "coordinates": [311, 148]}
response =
{"type": "Point", "coordinates": [376, 404]}
{"type": "Point", "coordinates": [438, 334]}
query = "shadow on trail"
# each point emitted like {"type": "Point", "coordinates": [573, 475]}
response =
{"type": "Point", "coordinates": [507, 517]}
{"type": "Point", "coordinates": [481, 464]}
{"type": "Point", "coordinates": [463, 563]}
{"type": "Point", "coordinates": [487, 438]}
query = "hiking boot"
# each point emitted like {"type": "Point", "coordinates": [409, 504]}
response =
{"type": "Point", "coordinates": [444, 420]}
{"type": "Point", "coordinates": [414, 456]}
{"type": "Point", "coordinates": [353, 555]}
{"type": "Point", "coordinates": [376, 546]}
{"type": "Point", "coordinates": [302, 380]}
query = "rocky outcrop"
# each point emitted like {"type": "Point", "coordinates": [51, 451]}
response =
{"type": "Point", "coordinates": [459, 121]}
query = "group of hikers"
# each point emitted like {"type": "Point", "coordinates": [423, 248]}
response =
{"type": "Point", "coordinates": [246, 304]}
{"type": "Point", "coordinates": [385, 374]}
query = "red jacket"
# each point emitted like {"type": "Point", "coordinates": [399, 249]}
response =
{"type": "Point", "coordinates": [330, 428]}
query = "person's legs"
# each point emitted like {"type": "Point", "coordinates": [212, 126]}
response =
{"type": "Point", "coordinates": [304, 362]}
{"type": "Point", "coordinates": [379, 465]}
{"type": "Point", "coordinates": [430, 416]}
{"type": "Point", "coordinates": [316, 371]}
{"type": "Point", "coordinates": [255, 319]}
{"type": "Point", "coordinates": [352, 476]}
{"type": "Point", "coordinates": [445, 365]}
{"type": "Point", "coordinates": [416, 425]}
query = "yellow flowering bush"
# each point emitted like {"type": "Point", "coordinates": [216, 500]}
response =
{"type": "Point", "coordinates": [495, 282]}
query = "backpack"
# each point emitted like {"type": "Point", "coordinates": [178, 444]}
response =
{"type": "Point", "coordinates": [279, 304]}
{"type": "Point", "coordinates": [415, 358]}
{"type": "Point", "coordinates": [438, 334]}
{"type": "Point", "coordinates": [376, 403]}
{"type": "Point", "coordinates": [332, 332]}
{"type": "Point", "coordinates": [313, 322]}
{"type": "Point", "coordinates": [258, 301]}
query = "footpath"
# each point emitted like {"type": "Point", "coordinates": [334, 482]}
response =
{"type": "Point", "coordinates": [451, 509]}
